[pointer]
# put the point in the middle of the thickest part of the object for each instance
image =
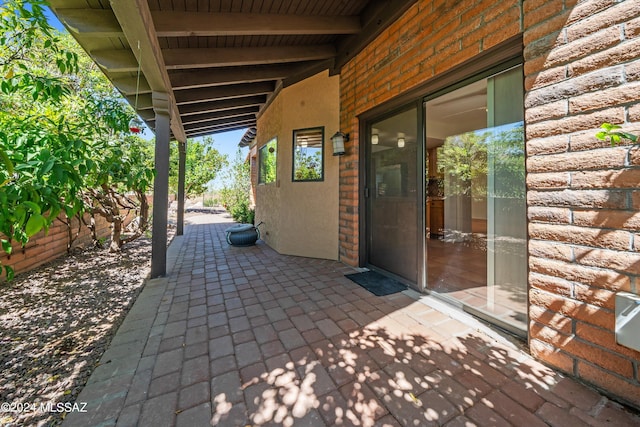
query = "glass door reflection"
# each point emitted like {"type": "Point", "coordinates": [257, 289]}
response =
{"type": "Point", "coordinates": [475, 201]}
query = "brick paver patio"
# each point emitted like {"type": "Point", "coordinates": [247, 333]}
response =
{"type": "Point", "coordinates": [248, 337]}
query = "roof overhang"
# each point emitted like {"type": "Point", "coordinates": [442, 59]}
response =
{"type": "Point", "coordinates": [220, 63]}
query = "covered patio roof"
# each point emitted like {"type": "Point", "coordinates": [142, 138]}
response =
{"type": "Point", "coordinates": [219, 62]}
{"type": "Point", "coordinates": [198, 67]}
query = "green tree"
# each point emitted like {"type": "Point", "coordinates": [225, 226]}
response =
{"type": "Point", "coordinates": [237, 188]}
{"type": "Point", "coordinates": [119, 184]}
{"type": "Point", "coordinates": [203, 162]}
{"type": "Point", "coordinates": [59, 115]}
{"type": "Point", "coordinates": [40, 151]}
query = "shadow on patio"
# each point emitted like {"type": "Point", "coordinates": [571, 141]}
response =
{"type": "Point", "coordinates": [245, 336]}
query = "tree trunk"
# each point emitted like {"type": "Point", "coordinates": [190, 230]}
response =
{"type": "Point", "coordinates": [94, 233]}
{"type": "Point", "coordinates": [140, 224]}
{"type": "Point", "coordinates": [116, 232]}
{"type": "Point", "coordinates": [71, 236]}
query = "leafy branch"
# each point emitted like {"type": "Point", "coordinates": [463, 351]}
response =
{"type": "Point", "coordinates": [612, 132]}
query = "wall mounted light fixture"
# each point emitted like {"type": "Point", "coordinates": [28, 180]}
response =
{"type": "Point", "coordinates": [401, 140]}
{"type": "Point", "coordinates": [375, 137]}
{"type": "Point", "coordinates": [338, 140]}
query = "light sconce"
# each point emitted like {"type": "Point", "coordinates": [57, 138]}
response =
{"type": "Point", "coordinates": [374, 137]}
{"type": "Point", "coordinates": [401, 140]}
{"type": "Point", "coordinates": [338, 140]}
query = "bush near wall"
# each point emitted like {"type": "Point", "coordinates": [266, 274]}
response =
{"type": "Point", "coordinates": [43, 248]}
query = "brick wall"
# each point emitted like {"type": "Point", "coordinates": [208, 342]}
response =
{"type": "Point", "coordinates": [582, 69]}
{"type": "Point", "coordinates": [429, 39]}
{"type": "Point", "coordinates": [43, 248]}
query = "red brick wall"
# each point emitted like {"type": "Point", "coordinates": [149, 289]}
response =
{"type": "Point", "coordinates": [43, 248]}
{"type": "Point", "coordinates": [582, 69]}
{"type": "Point", "coordinates": [430, 38]}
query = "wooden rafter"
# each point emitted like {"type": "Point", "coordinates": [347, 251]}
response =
{"type": "Point", "coordinates": [188, 24]}
{"type": "Point", "coordinates": [218, 64]}
{"type": "Point", "coordinates": [234, 56]}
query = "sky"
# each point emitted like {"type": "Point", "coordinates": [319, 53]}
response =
{"type": "Point", "coordinates": [226, 142]}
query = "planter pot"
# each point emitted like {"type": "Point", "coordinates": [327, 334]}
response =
{"type": "Point", "coordinates": [242, 235]}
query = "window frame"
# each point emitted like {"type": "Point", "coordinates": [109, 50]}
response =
{"type": "Point", "coordinates": [293, 154]}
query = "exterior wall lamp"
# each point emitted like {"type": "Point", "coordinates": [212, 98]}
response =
{"type": "Point", "coordinates": [375, 139]}
{"type": "Point", "coordinates": [338, 140]}
{"type": "Point", "coordinates": [401, 140]}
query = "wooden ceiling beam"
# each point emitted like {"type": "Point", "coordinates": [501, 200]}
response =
{"type": "Point", "coordinates": [90, 22]}
{"type": "Point", "coordinates": [147, 115]}
{"type": "Point", "coordinates": [217, 130]}
{"type": "Point", "coordinates": [144, 101]}
{"type": "Point", "coordinates": [203, 77]}
{"type": "Point", "coordinates": [189, 96]}
{"type": "Point", "coordinates": [116, 60]}
{"type": "Point", "coordinates": [225, 104]}
{"type": "Point", "coordinates": [236, 112]}
{"type": "Point", "coordinates": [309, 69]}
{"type": "Point", "coordinates": [176, 59]}
{"type": "Point", "coordinates": [136, 22]}
{"type": "Point", "coordinates": [202, 24]}
{"type": "Point", "coordinates": [129, 85]}
{"type": "Point", "coordinates": [238, 121]}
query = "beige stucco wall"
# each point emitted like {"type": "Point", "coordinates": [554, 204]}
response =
{"type": "Point", "coordinates": [301, 218]}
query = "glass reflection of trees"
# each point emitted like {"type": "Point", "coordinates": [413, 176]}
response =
{"type": "Point", "coordinates": [267, 162]}
{"type": "Point", "coordinates": [507, 152]}
{"type": "Point", "coordinates": [467, 158]}
{"type": "Point", "coordinates": [308, 162]}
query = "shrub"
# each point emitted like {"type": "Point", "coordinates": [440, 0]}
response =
{"type": "Point", "coordinates": [243, 213]}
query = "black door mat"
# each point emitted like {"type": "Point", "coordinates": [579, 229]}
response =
{"type": "Point", "coordinates": [376, 283]}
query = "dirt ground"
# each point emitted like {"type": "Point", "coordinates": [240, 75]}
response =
{"type": "Point", "coordinates": [55, 324]}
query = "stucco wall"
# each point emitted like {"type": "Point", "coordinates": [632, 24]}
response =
{"type": "Point", "coordinates": [301, 218]}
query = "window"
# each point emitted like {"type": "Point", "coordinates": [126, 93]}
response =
{"type": "Point", "coordinates": [308, 158]}
{"type": "Point", "coordinates": [267, 162]}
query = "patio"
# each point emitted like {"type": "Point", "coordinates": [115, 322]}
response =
{"type": "Point", "coordinates": [245, 336]}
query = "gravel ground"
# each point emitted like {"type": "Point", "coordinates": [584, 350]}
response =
{"type": "Point", "coordinates": [57, 321]}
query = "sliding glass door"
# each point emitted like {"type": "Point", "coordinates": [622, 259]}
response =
{"type": "Point", "coordinates": [475, 198]}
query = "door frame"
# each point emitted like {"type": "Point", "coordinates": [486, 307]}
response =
{"type": "Point", "coordinates": [508, 52]}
